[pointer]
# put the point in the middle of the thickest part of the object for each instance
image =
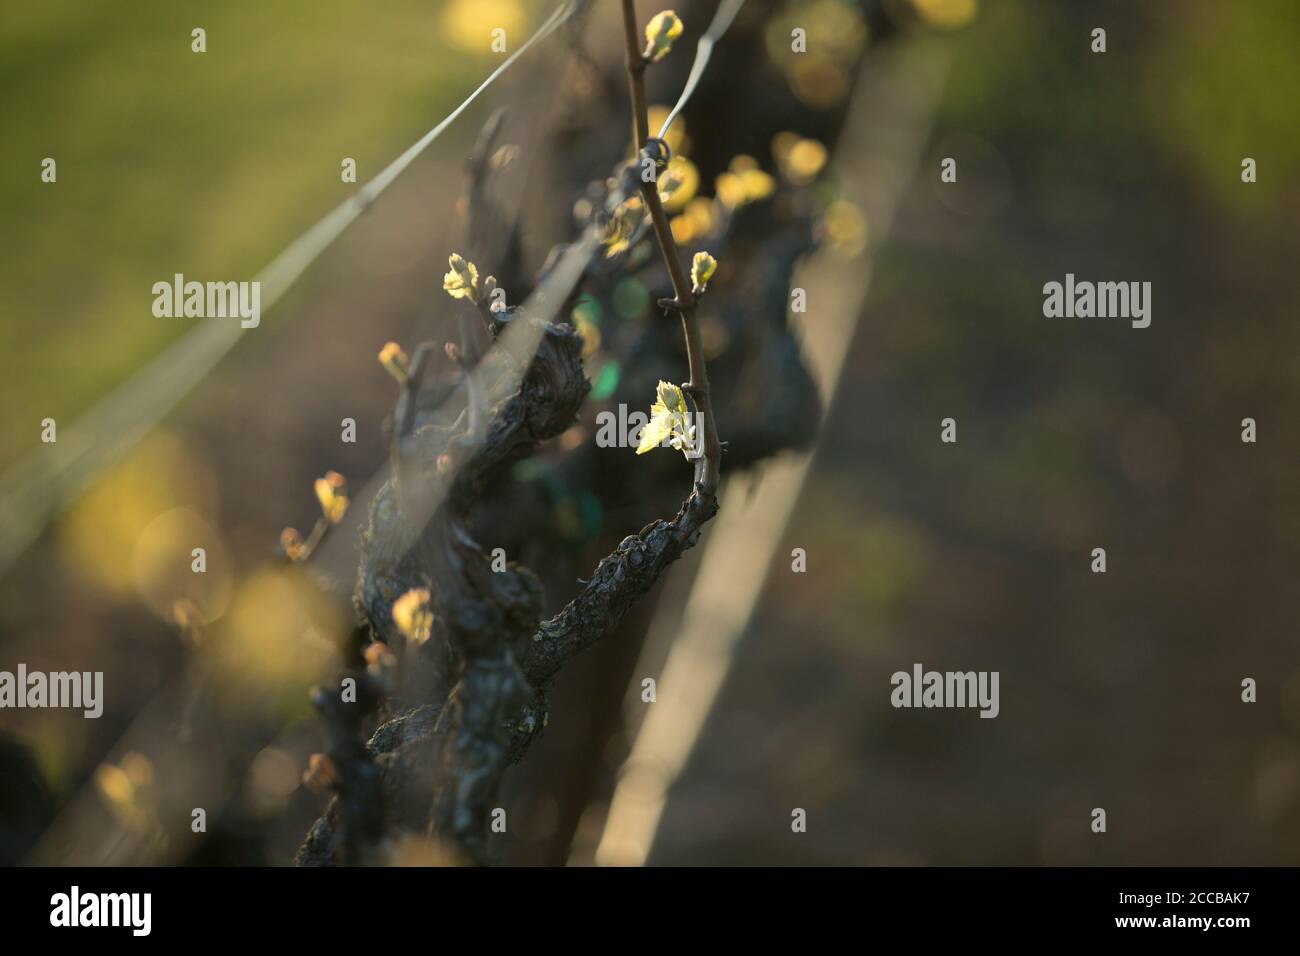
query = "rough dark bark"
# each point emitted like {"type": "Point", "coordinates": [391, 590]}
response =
{"type": "Point", "coordinates": [471, 699]}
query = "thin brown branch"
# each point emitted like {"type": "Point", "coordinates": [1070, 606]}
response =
{"type": "Point", "coordinates": [684, 301]}
{"type": "Point", "coordinates": [636, 77]}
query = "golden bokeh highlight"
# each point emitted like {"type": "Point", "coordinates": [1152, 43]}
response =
{"type": "Point", "coordinates": [835, 34]}
{"type": "Point", "coordinates": [695, 222]}
{"type": "Point", "coordinates": [163, 565]}
{"type": "Point", "coordinates": [271, 781]}
{"type": "Point", "coordinates": [280, 632]}
{"type": "Point", "coordinates": [845, 228]}
{"type": "Point", "coordinates": [743, 183]}
{"type": "Point", "coordinates": [468, 24]}
{"type": "Point", "coordinates": [946, 14]}
{"type": "Point", "coordinates": [678, 184]}
{"type": "Point", "coordinates": [679, 144]}
{"type": "Point", "coordinates": [799, 160]}
{"type": "Point", "coordinates": [127, 789]}
{"type": "Point", "coordinates": [98, 537]}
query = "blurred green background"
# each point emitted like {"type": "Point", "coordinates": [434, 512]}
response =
{"type": "Point", "coordinates": [174, 161]}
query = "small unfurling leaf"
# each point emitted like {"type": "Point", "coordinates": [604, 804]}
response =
{"type": "Point", "coordinates": [670, 422]}
{"type": "Point", "coordinates": [412, 615]}
{"type": "Point", "coordinates": [292, 544]}
{"type": "Point", "coordinates": [321, 775]}
{"type": "Point", "coordinates": [702, 268]}
{"type": "Point", "coordinates": [462, 281]}
{"type": "Point", "coordinates": [381, 665]}
{"type": "Point", "coordinates": [392, 358]}
{"type": "Point", "coordinates": [660, 33]}
{"type": "Point", "coordinates": [331, 492]}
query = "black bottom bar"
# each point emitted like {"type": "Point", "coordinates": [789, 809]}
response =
{"type": "Point", "coordinates": [333, 907]}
